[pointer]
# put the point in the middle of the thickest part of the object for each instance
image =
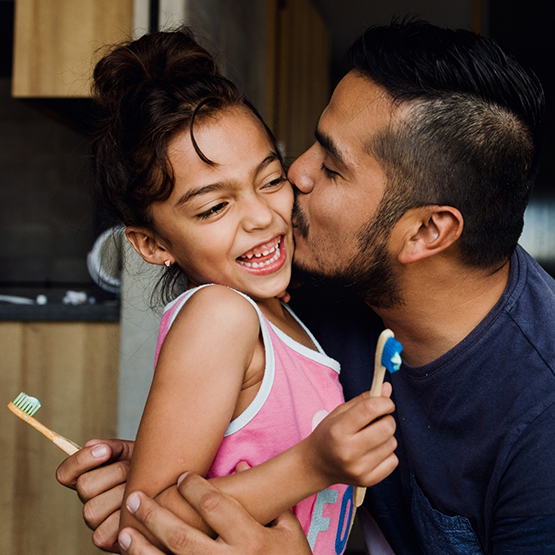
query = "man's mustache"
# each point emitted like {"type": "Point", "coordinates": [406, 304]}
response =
{"type": "Point", "coordinates": [299, 220]}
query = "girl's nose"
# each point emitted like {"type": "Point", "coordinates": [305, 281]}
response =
{"type": "Point", "coordinates": [258, 214]}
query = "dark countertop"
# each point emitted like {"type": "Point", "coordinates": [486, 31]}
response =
{"type": "Point", "coordinates": [103, 312]}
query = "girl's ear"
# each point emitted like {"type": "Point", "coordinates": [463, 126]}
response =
{"type": "Point", "coordinates": [148, 246]}
{"type": "Point", "coordinates": [429, 230]}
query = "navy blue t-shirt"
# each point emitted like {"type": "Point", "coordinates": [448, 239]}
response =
{"type": "Point", "coordinates": [476, 427]}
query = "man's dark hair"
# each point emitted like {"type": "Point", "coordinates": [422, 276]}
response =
{"type": "Point", "coordinates": [471, 136]}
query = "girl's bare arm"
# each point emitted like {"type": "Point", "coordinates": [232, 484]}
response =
{"type": "Point", "coordinates": [195, 390]}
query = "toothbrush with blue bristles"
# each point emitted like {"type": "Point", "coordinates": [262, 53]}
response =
{"type": "Point", "coordinates": [388, 357]}
{"type": "Point", "coordinates": [25, 407]}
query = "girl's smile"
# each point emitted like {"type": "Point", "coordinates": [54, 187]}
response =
{"type": "Point", "coordinates": [265, 259]}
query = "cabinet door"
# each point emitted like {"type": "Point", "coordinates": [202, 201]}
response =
{"type": "Point", "coordinates": [56, 42]}
{"type": "Point", "coordinates": [72, 368]}
{"type": "Point", "coordinates": [298, 86]}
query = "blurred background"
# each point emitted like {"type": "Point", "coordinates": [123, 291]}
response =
{"type": "Point", "coordinates": [76, 329]}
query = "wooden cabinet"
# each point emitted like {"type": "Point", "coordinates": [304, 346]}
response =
{"type": "Point", "coordinates": [56, 40]}
{"type": "Point", "coordinates": [298, 69]}
{"type": "Point", "coordinates": [72, 368]}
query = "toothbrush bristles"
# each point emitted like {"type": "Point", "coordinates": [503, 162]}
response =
{"type": "Point", "coordinates": [29, 405]}
{"type": "Point", "coordinates": [391, 355]}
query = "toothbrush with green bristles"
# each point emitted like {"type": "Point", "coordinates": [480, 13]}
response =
{"type": "Point", "coordinates": [25, 407]}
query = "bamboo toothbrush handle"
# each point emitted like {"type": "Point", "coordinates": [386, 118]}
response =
{"type": "Point", "coordinates": [65, 444]}
{"type": "Point", "coordinates": [375, 391]}
{"type": "Point", "coordinates": [379, 368]}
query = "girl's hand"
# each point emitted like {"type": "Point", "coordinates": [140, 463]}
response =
{"type": "Point", "coordinates": [355, 444]}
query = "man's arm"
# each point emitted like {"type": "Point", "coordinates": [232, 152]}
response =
{"type": "Point", "coordinates": [353, 445]}
{"type": "Point", "coordinates": [238, 533]}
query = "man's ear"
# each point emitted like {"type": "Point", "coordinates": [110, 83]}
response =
{"type": "Point", "coordinates": [429, 230]}
{"type": "Point", "coordinates": [147, 245]}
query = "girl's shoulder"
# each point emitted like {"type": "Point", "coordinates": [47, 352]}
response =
{"type": "Point", "coordinates": [218, 304]}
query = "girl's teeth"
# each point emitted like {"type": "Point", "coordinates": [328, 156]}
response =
{"type": "Point", "coordinates": [265, 253]}
{"type": "Point", "coordinates": [261, 264]}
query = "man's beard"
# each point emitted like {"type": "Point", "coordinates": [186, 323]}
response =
{"type": "Point", "coordinates": [369, 274]}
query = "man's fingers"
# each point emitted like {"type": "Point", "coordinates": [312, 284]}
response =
{"type": "Point", "coordinates": [292, 534]}
{"type": "Point", "coordinates": [95, 482]}
{"type": "Point", "coordinates": [220, 511]}
{"type": "Point", "coordinates": [172, 532]}
{"type": "Point", "coordinates": [133, 542]}
{"type": "Point", "coordinates": [100, 507]}
{"type": "Point", "coordinates": [94, 454]}
{"type": "Point", "coordinates": [105, 536]}
{"type": "Point", "coordinates": [84, 460]}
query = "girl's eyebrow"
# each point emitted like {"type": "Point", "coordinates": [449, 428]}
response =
{"type": "Point", "coordinates": [272, 157]}
{"type": "Point", "coordinates": [196, 191]}
{"type": "Point", "coordinates": [204, 189]}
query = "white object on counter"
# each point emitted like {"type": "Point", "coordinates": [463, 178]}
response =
{"type": "Point", "coordinates": [75, 297]}
{"type": "Point", "coordinates": [16, 300]}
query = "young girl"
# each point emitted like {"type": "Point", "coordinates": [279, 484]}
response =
{"type": "Point", "coordinates": [188, 165]}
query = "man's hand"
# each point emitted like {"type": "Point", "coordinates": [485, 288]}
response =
{"type": "Point", "coordinates": [238, 533]}
{"type": "Point", "coordinates": [98, 473]}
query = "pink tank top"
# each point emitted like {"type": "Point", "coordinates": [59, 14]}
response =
{"type": "Point", "coordinates": [299, 388]}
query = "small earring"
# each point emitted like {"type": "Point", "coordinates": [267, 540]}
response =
{"type": "Point", "coordinates": [167, 263]}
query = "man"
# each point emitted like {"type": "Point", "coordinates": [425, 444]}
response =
{"type": "Point", "coordinates": [413, 198]}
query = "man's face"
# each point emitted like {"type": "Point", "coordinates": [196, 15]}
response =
{"type": "Point", "coordinates": [338, 224]}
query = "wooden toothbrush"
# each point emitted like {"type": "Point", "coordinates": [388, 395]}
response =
{"type": "Point", "coordinates": [25, 406]}
{"type": "Point", "coordinates": [388, 357]}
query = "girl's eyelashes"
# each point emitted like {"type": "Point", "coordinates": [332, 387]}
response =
{"type": "Point", "coordinates": [212, 211]}
{"type": "Point", "coordinates": [330, 174]}
{"type": "Point", "coordinates": [276, 182]}
{"type": "Point", "coordinates": [216, 209]}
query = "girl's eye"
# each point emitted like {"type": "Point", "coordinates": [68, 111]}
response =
{"type": "Point", "coordinates": [212, 211]}
{"type": "Point", "coordinates": [330, 174]}
{"type": "Point", "coordinates": [275, 182]}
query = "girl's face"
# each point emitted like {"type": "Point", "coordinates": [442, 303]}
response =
{"type": "Point", "coordinates": [229, 223]}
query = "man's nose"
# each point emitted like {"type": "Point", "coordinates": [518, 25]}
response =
{"type": "Point", "coordinates": [301, 171]}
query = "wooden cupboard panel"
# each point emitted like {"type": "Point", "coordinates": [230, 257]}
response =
{"type": "Point", "coordinates": [299, 45]}
{"type": "Point", "coordinates": [56, 40]}
{"type": "Point", "coordinates": [72, 368]}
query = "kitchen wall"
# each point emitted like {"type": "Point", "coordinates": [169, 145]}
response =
{"type": "Point", "coordinates": [46, 217]}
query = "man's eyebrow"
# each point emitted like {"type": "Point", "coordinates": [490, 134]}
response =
{"type": "Point", "coordinates": [327, 143]}
{"type": "Point", "coordinates": [204, 189]}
